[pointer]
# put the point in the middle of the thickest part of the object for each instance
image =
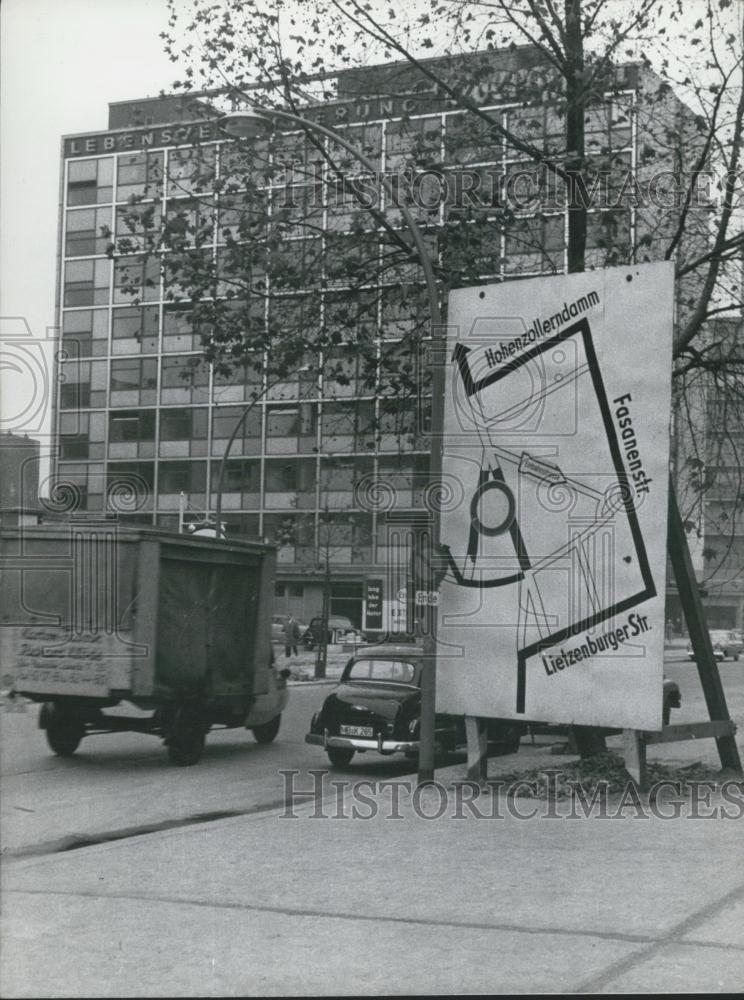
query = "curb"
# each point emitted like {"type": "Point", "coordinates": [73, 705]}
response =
{"type": "Point", "coordinates": [313, 683]}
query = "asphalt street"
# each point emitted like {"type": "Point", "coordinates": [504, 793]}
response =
{"type": "Point", "coordinates": [126, 876]}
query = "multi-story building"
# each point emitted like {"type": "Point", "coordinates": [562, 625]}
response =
{"type": "Point", "coordinates": [19, 478]}
{"type": "Point", "coordinates": [142, 430]}
{"type": "Point", "coordinates": [722, 566]}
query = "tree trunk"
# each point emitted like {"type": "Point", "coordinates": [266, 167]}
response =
{"type": "Point", "coordinates": [576, 99]}
{"type": "Point", "coordinates": [588, 740]}
{"type": "Point", "coordinates": [321, 659]}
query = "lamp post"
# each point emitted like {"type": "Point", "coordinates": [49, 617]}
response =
{"type": "Point", "coordinates": [255, 123]}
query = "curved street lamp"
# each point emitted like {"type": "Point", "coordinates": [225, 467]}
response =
{"type": "Point", "coordinates": [255, 123]}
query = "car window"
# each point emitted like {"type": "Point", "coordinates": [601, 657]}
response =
{"type": "Point", "coordinates": [382, 670]}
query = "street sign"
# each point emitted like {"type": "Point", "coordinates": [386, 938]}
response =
{"type": "Point", "coordinates": [373, 621]}
{"type": "Point", "coordinates": [556, 425]}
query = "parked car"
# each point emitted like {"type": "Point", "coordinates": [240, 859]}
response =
{"type": "Point", "coordinates": [725, 643]}
{"type": "Point", "coordinates": [339, 630]}
{"type": "Point", "coordinates": [376, 707]}
{"type": "Point", "coordinates": [738, 636]}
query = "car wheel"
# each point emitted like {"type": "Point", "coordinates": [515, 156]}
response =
{"type": "Point", "coordinates": [64, 729]}
{"type": "Point", "coordinates": [266, 733]}
{"type": "Point", "coordinates": [340, 756]}
{"type": "Point", "coordinates": [736, 657]}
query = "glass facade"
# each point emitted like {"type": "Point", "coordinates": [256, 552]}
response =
{"type": "Point", "coordinates": [139, 408]}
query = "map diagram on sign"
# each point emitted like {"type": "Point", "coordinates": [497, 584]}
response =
{"type": "Point", "coordinates": [549, 524]}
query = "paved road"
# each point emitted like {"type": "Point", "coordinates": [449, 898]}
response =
{"type": "Point", "coordinates": [256, 904]}
{"type": "Point", "coordinates": [119, 783]}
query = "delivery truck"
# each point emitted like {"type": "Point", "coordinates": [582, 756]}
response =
{"type": "Point", "coordinates": [96, 617]}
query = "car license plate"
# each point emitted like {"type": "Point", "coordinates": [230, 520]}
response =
{"type": "Point", "coordinates": [357, 731]}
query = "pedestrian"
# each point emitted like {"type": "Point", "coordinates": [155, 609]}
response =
{"type": "Point", "coordinates": [291, 636]}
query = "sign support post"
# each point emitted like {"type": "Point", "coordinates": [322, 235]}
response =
{"type": "Point", "coordinates": [720, 727]}
{"type": "Point", "coordinates": [692, 606]}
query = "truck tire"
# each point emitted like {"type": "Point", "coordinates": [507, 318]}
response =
{"type": "Point", "coordinates": [64, 729]}
{"type": "Point", "coordinates": [266, 733]}
{"type": "Point", "coordinates": [512, 739]}
{"type": "Point", "coordinates": [340, 756]}
{"type": "Point", "coordinates": [186, 737]}
{"type": "Point", "coordinates": [667, 712]}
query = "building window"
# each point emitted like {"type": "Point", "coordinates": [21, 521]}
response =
{"type": "Point", "coordinates": [137, 226]}
{"type": "Point", "coordinates": [133, 381]}
{"type": "Point", "coordinates": [178, 333]}
{"type": "Point", "coordinates": [291, 476]}
{"type": "Point", "coordinates": [182, 477]}
{"type": "Point", "coordinates": [535, 243]}
{"type": "Point", "coordinates": [81, 435]}
{"type": "Point", "coordinates": [74, 446]}
{"type": "Point", "coordinates": [73, 396]}
{"type": "Point", "coordinates": [347, 427]}
{"type": "Point", "coordinates": [405, 477]}
{"type": "Point", "coordinates": [135, 330]}
{"type": "Point", "coordinates": [131, 425]}
{"type": "Point", "coordinates": [131, 480]}
{"type": "Point", "coordinates": [189, 222]}
{"type": "Point", "coordinates": [183, 431]}
{"type": "Point", "coordinates": [75, 385]}
{"type": "Point", "coordinates": [291, 429]}
{"type": "Point", "coordinates": [242, 476]}
{"type": "Point", "coordinates": [88, 232]}
{"type": "Point", "coordinates": [339, 479]}
{"type": "Point", "coordinates": [345, 538]}
{"type": "Point", "coordinates": [185, 380]}
{"type": "Point", "coordinates": [85, 332]}
{"type": "Point", "coordinates": [190, 170]}
{"type": "Point", "coordinates": [239, 383]}
{"type": "Point", "coordinates": [128, 374]}
{"type": "Point", "coordinates": [139, 174]}
{"type": "Point", "coordinates": [136, 278]}
{"type": "Point", "coordinates": [224, 419]}
{"type": "Point", "coordinates": [89, 182]}
{"type": "Point", "coordinates": [294, 534]}
{"type": "Point", "coordinates": [87, 282]}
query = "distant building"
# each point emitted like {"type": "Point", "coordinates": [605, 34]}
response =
{"type": "Point", "coordinates": [135, 433]}
{"type": "Point", "coordinates": [19, 478]}
{"type": "Point", "coordinates": [722, 570]}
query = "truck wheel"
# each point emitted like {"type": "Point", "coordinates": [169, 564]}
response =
{"type": "Point", "coordinates": [64, 730]}
{"type": "Point", "coordinates": [266, 733]}
{"type": "Point", "coordinates": [186, 737]}
{"type": "Point", "coordinates": [512, 739]}
{"type": "Point", "coordinates": [667, 712]}
{"type": "Point", "coordinates": [441, 753]}
{"type": "Point", "coordinates": [340, 756]}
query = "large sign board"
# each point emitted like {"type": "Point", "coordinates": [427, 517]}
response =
{"type": "Point", "coordinates": [556, 426]}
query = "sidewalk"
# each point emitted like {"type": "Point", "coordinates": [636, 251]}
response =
{"type": "Point", "coordinates": [302, 666]}
{"type": "Point", "coordinates": [309, 904]}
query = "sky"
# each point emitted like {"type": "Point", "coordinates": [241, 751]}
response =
{"type": "Point", "coordinates": [61, 62]}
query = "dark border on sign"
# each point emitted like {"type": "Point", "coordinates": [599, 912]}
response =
{"type": "Point", "coordinates": [649, 589]}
